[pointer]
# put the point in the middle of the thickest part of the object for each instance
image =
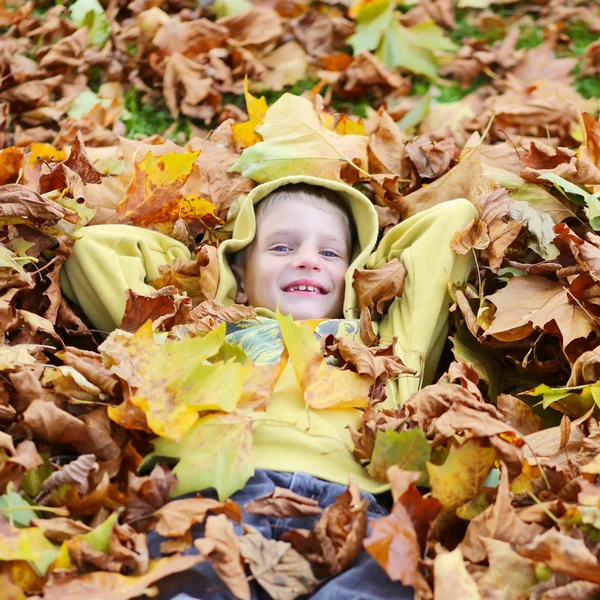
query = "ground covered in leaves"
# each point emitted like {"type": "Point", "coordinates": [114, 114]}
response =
{"type": "Point", "coordinates": [138, 113]}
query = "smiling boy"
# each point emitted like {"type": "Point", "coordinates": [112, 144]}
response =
{"type": "Point", "coordinates": [300, 255]}
{"type": "Point", "coordinates": [296, 243]}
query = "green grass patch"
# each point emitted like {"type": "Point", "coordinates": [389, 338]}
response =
{"type": "Point", "coordinates": [530, 36]}
{"type": "Point", "coordinates": [465, 29]}
{"type": "Point", "coordinates": [588, 86]}
{"type": "Point", "coordinates": [581, 36]}
{"type": "Point", "coordinates": [144, 120]}
{"type": "Point", "coordinates": [450, 93]}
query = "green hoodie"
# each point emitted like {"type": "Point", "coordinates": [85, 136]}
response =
{"type": "Point", "coordinates": [288, 436]}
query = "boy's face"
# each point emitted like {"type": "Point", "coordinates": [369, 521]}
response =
{"type": "Point", "coordinates": [297, 245]}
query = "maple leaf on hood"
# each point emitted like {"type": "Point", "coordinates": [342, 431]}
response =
{"type": "Point", "coordinates": [320, 152]}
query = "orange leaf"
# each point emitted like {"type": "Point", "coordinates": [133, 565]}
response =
{"type": "Point", "coordinates": [154, 197]}
{"type": "Point", "coordinates": [10, 164]}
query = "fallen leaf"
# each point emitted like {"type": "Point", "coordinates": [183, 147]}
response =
{"type": "Point", "coordinates": [461, 476]}
{"type": "Point", "coordinates": [394, 545]}
{"type": "Point", "coordinates": [278, 568]}
{"type": "Point", "coordinates": [321, 153]}
{"type": "Point", "coordinates": [146, 495]}
{"type": "Point", "coordinates": [245, 134]}
{"type": "Point", "coordinates": [563, 554]}
{"type": "Point", "coordinates": [336, 539]}
{"type": "Point", "coordinates": [376, 288]}
{"type": "Point", "coordinates": [500, 522]}
{"type": "Point", "coordinates": [115, 586]}
{"type": "Point", "coordinates": [165, 308]}
{"type": "Point", "coordinates": [324, 386]}
{"type": "Point", "coordinates": [283, 503]}
{"type": "Point", "coordinates": [216, 452]}
{"type": "Point", "coordinates": [452, 578]}
{"type": "Point", "coordinates": [533, 301]}
{"type": "Point", "coordinates": [508, 571]}
{"type": "Point", "coordinates": [154, 199]}
{"type": "Point", "coordinates": [408, 450]}
{"type": "Point", "coordinates": [158, 376]}
{"type": "Point", "coordinates": [221, 546]}
{"type": "Point", "coordinates": [75, 472]}
{"type": "Point", "coordinates": [175, 518]}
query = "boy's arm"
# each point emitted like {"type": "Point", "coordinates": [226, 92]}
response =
{"type": "Point", "coordinates": [109, 259]}
{"type": "Point", "coordinates": [419, 318]}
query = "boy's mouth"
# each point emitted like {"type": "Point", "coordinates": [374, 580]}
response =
{"type": "Point", "coordinates": [305, 288]}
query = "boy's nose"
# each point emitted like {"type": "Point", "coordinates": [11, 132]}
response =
{"type": "Point", "coordinates": [307, 260]}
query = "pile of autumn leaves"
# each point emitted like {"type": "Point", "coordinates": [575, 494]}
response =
{"type": "Point", "coordinates": [511, 501]}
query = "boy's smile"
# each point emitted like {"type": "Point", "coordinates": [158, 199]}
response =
{"type": "Point", "coordinates": [298, 261]}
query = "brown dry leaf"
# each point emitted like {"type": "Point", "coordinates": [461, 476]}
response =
{"type": "Point", "coordinates": [532, 301]}
{"type": "Point", "coordinates": [395, 545]}
{"type": "Point", "coordinates": [563, 554]}
{"type": "Point", "coordinates": [57, 426]}
{"type": "Point", "coordinates": [256, 26]}
{"type": "Point", "coordinates": [215, 181]}
{"type": "Point", "coordinates": [114, 586]}
{"type": "Point", "coordinates": [586, 253]}
{"type": "Point", "coordinates": [514, 575]}
{"type": "Point", "coordinates": [222, 547]}
{"type": "Point", "coordinates": [519, 415]}
{"type": "Point", "coordinates": [92, 369]}
{"type": "Point", "coordinates": [75, 472]}
{"type": "Point", "coordinates": [474, 236]}
{"type": "Point", "coordinates": [282, 502]}
{"type": "Point", "coordinates": [67, 52]}
{"type": "Point", "coordinates": [220, 313]}
{"type": "Point", "coordinates": [278, 568]}
{"type": "Point", "coordinates": [199, 99]}
{"type": "Point", "coordinates": [502, 232]}
{"type": "Point", "coordinates": [20, 205]}
{"type": "Point", "coordinates": [377, 287]}
{"type": "Point", "coordinates": [189, 38]}
{"type": "Point", "coordinates": [366, 71]}
{"type": "Point", "coordinates": [146, 495]}
{"type": "Point", "coordinates": [165, 308]}
{"type": "Point", "coordinates": [336, 539]}
{"type": "Point", "coordinates": [175, 518]}
{"type": "Point", "coordinates": [386, 148]}
{"type": "Point", "coordinates": [432, 158]}
{"type": "Point", "coordinates": [381, 364]}
{"type": "Point", "coordinates": [198, 278]}
{"type": "Point", "coordinates": [500, 522]}
{"type": "Point", "coordinates": [60, 529]}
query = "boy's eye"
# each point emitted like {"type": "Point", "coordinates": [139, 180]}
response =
{"type": "Point", "coordinates": [329, 254]}
{"type": "Point", "coordinates": [280, 248]}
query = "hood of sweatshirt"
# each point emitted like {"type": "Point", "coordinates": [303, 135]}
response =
{"type": "Point", "coordinates": [360, 209]}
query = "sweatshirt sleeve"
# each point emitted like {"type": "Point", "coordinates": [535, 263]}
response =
{"type": "Point", "coordinates": [419, 318]}
{"type": "Point", "coordinates": [109, 259]}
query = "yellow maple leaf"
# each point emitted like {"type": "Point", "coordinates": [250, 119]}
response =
{"type": "Point", "coordinates": [154, 199]}
{"type": "Point", "coordinates": [245, 134]}
{"type": "Point", "coordinates": [172, 382]}
{"type": "Point", "coordinates": [295, 142]}
{"type": "Point", "coordinates": [323, 385]}
{"type": "Point", "coordinates": [461, 476]}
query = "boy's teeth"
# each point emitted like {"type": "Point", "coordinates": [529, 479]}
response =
{"type": "Point", "coordinates": [303, 288]}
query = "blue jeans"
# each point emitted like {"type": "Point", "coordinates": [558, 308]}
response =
{"type": "Point", "coordinates": [364, 580]}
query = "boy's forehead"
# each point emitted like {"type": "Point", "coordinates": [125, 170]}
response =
{"type": "Point", "coordinates": [299, 213]}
